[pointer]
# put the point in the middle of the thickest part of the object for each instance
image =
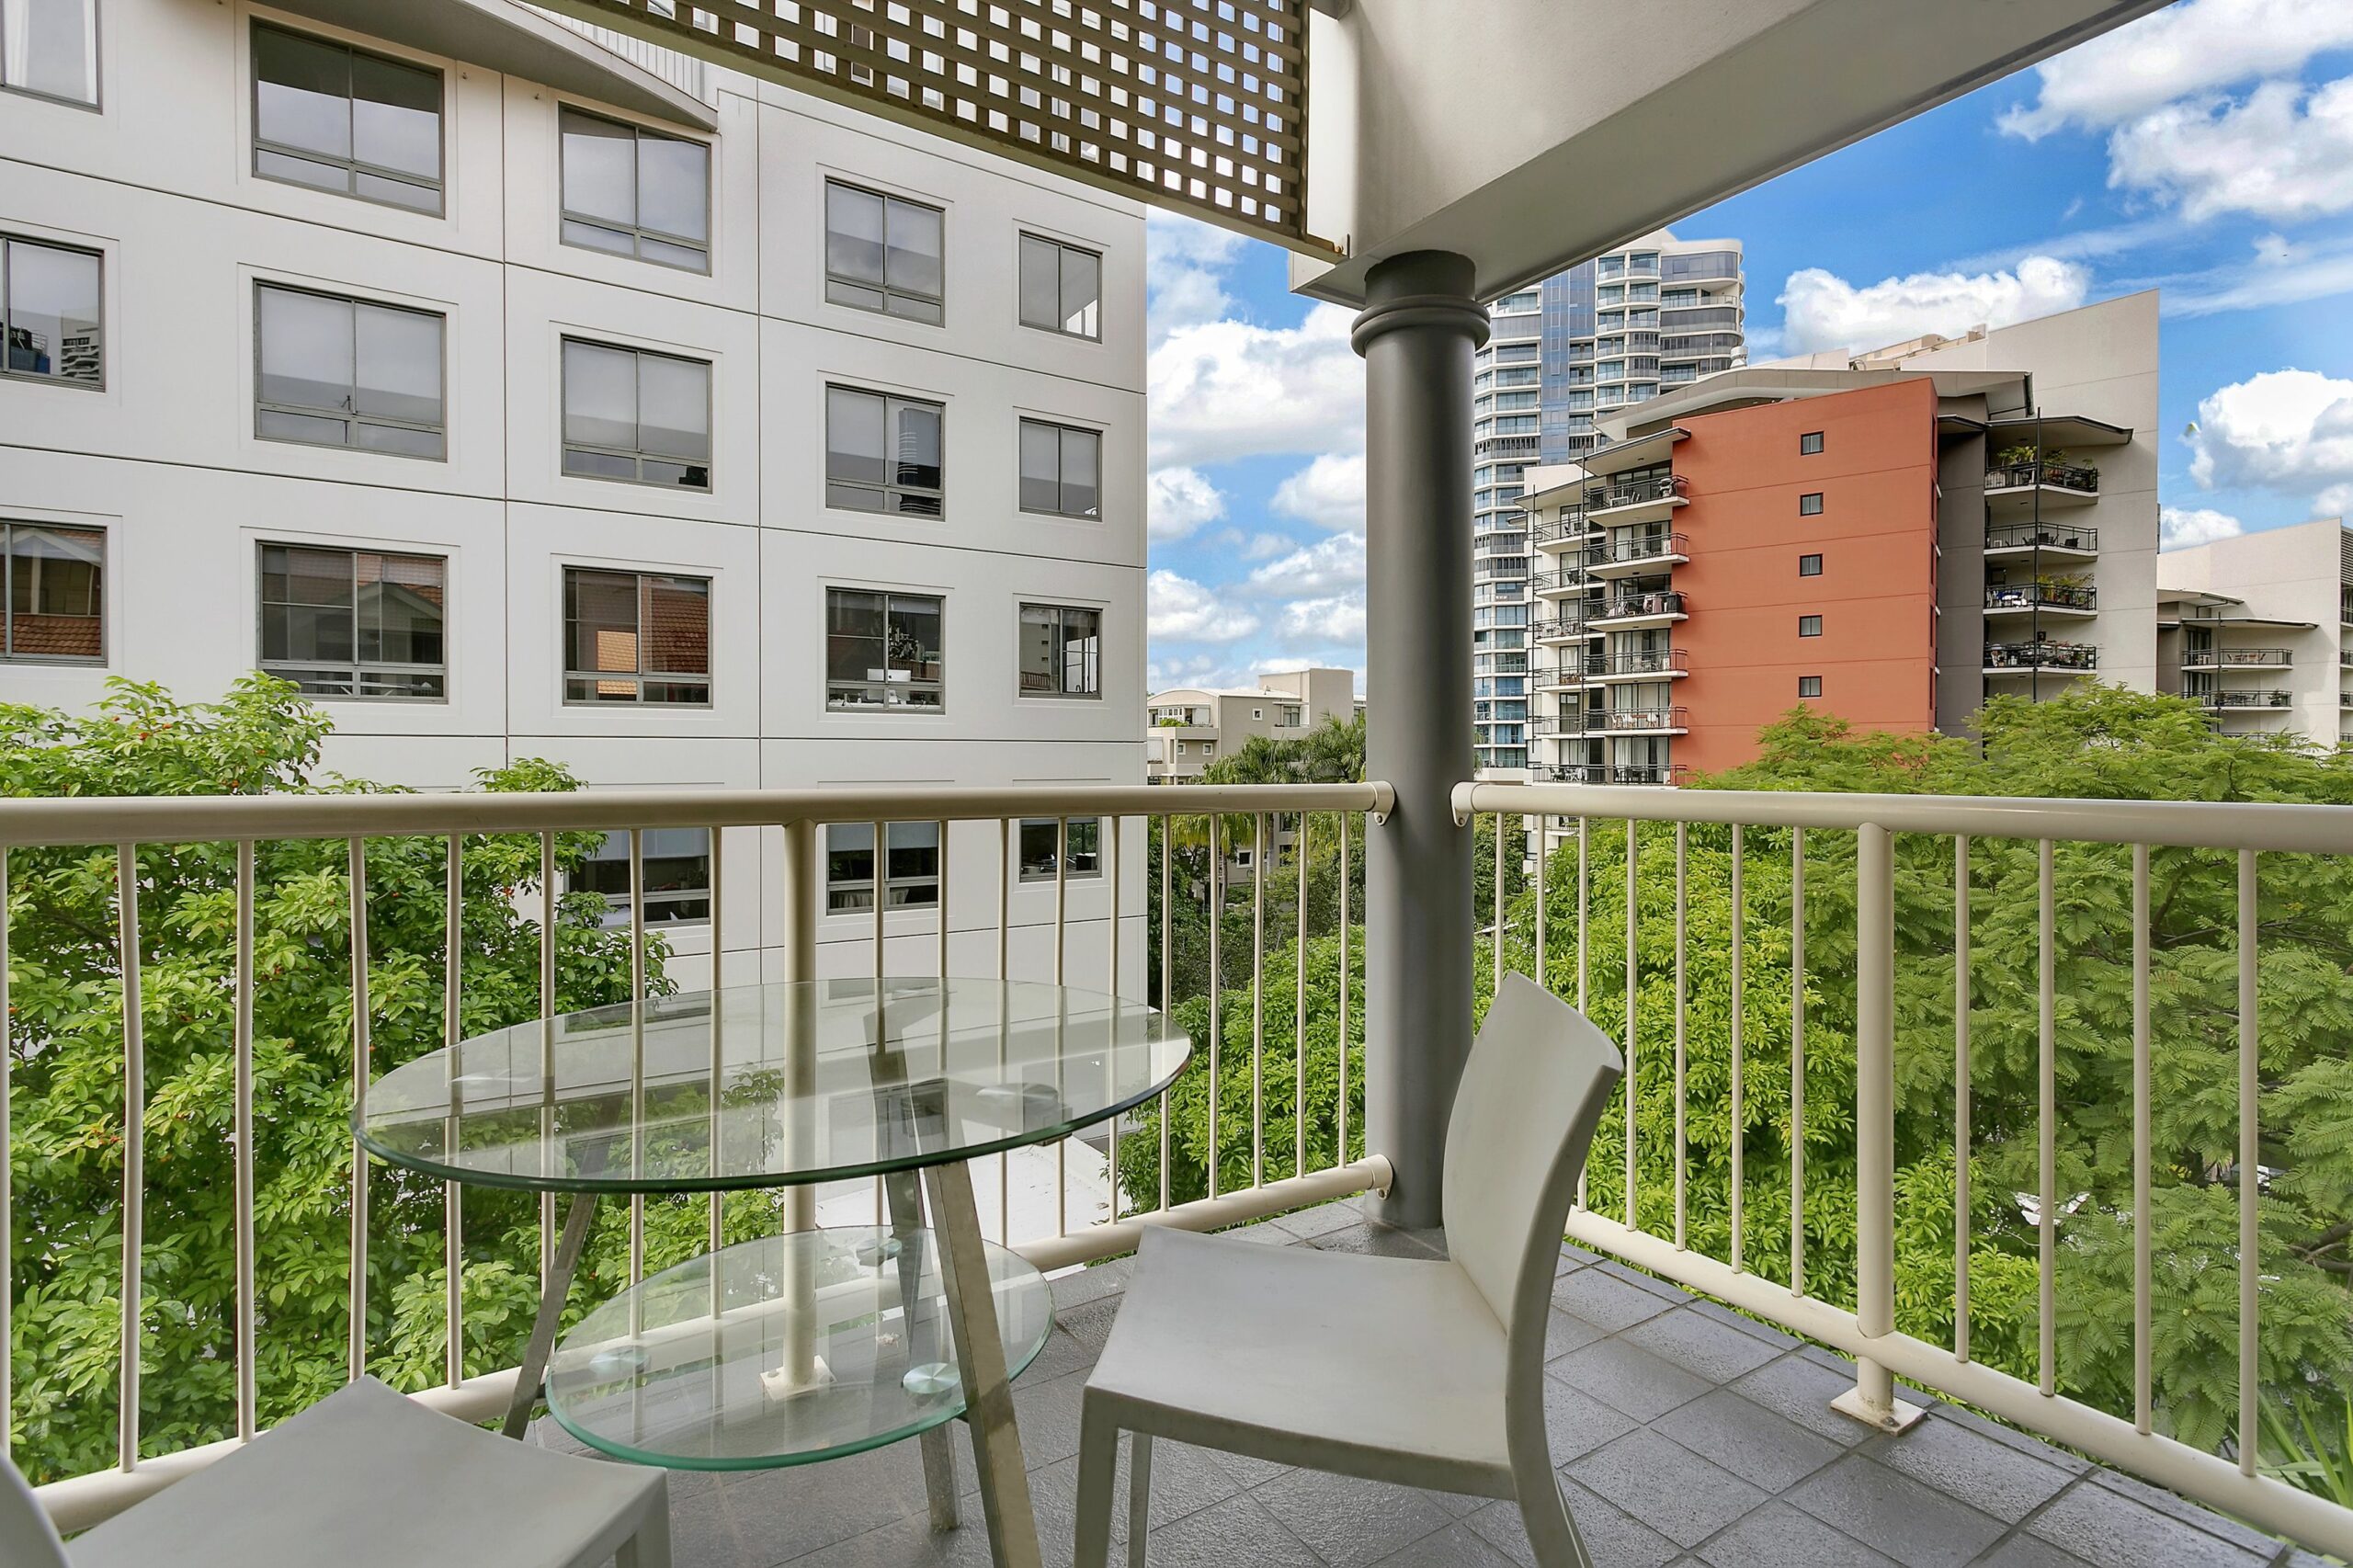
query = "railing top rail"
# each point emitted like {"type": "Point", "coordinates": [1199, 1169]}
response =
{"type": "Point", "coordinates": [148, 818]}
{"type": "Point", "coordinates": [2195, 824]}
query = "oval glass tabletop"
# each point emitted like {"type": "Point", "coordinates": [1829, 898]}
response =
{"type": "Point", "coordinates": [811, 1352]}
{"type": "Point", "coordinates": [768, 1085]}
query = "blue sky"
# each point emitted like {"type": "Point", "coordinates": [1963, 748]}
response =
{"type": "Point", "coordinates": [2206, 151]}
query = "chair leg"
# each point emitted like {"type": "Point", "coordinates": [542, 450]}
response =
{"type": "Point", "coordinates": [650, 1547]}
{"type": "Point", "coordinates": [1139, 1496]}
{"type": "Point", "coordinates": [1099, 1466]}
{"type": "Point", "coordinates": [1551, 1531]}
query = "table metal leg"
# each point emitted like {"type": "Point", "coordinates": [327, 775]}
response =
{"type": "Point", "coordinates": [980, 1360]}
{"type": "Point", "coordinates": [903, 1190]}
{"type": "Point", "coordinates": [551, 1299]}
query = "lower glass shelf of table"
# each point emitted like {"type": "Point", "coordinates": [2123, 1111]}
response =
{"type": "Point", "coordinates": [782, 1351]}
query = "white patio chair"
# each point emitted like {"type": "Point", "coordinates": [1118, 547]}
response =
{"type": "Point", "coordinates": [367, 1478]}
{"type": "Point", "coordinates": [1425, 1373]}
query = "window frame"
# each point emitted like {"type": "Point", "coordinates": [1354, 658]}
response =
{"type": "Point", "coordinates": [888, 881]}
{"type": "Point", "coordinates": [97, 69]}
{"type": "Point", "coordinates": [351, 164]}
{"type": "Point", "coordinates": [637, 455]}
{"type": "Point", "coordinates": [1813, 511]}
{"type": "Point", "coordinates": [1093, 661]}
{"type": "Point", "coordinates": [352, 418]}
{"type": "Point", "coordinates": [1813, 621]}
{"type": "Point", "coordinates": [9, 239]}
{"type": "Point", "coordinates": [8, 655]}
{"type": "Point", "coordinates": [358, 665]}
{"type": "Point", "coordinates": [1020, 482]}
{"type": "Point", "coordinates": [889, 597]}
{"type": "Point", "coordinates": [618, 904]}
{"type": "Point", "coordinates": [1020, 237]}
{"type": "Point", "coordinates": [642, 676]}
{"type": "Point", "coordinates": [889, 490]}
{"type": "Point", "coordinates": [1815, 559]}
{"type": "Point", "coordinates": [1805, 681]}
{"type": "Point", "coordinates": [1065, 847]}
{"type": "Point", "coordinates": [829, 277]}
{"type": "Point", "coordinates": [637, 232]}
{"type": "Point", "coordinates": [1814, 450]}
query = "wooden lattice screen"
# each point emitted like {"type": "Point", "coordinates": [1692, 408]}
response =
{"type": "Point", "coordinates": [1197, 105]}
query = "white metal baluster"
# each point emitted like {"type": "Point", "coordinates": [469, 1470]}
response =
{"type": "Point", "coordinates": [453, 1262]}
{"type": "Point", "coordinates": [1003, 1004]}
{"type": "Point", "coordinates": [1298, 1004]}
{"type": "Point", "coordinates": [134, 1151]}
{"type": "Point", "coordinates": [1583, 931]}
{"type": "Point", "coordinates": [1543, 859]}
{"type": "Point", "coordinates": [361, 1049]}
{"type": "Point", "coordinates": [637, 1068]}
{"type": "Point", "coordinates": [1682, 848]}
{"type": "Point", "coordinates": [1108, 844]}
{"type": "Point", "coordinates": [1797, 1062]}
{"type": "Point", "coordinates": [1498, 901]}
{"type": "Point", "coordinates": [1217, 980]}
{"type": "Point", "coordinates": [1062, 950]}
{"type": "Point", "coordinates": [1961, 1074]}
{"type": "Point", "coordinates": [2047, 1124]}
{"type": "Point", "coordinates": [1167, 972]}
{"type": "Point", "coordinates": [242, 1174]}
{"type": "Point", "coordinates": [1259, 1000]}
{"type": "Point", "coordinates": [1739, 1071]}
{"type": "Point", "coordinates": [1633, 858]}
{"type": "Point", "coordinates": [2250, 1169]}
{"type": "Point", "coordinates": [715, 1219]}
{"type": "Point", "coordinates": [547, 1054]}
{"type": "Point", "coordinates": [881, 889]}
{"type": "Point", "coordinates": [1873, 1397]}
{"type": "Point", "coordinates": [1340, 1151]}
{"type": "Point", "coordinates": [2143, 1220]}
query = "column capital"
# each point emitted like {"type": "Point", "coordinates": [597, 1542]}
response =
{"type": "Point", "coordinates": [1421, 289]}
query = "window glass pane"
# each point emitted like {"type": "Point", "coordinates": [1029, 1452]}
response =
{"type": "Point", "coordinates": [914, 263]}
{"type": "Point", "coordinates": [1082, 643]}
{"type": "Point", "coordinates": [55, 592]}
{"type": "Point", "coordinates": [1040, 840]}
{"type": "Point", "coordinates": [1039, 631]}
{"type": "Point", "coordinates": [303, 93]}
{"type": "Point", "coordinates": [400, 606]}
{"type": "Point", "coordinates": [914, 864]}
{"type": "Point", "coordinates": [397, 117]}
{"type": "Point", "coordinates": [303, 171]}
{"type": "Point", "coordinates": [600, 621]}
{"type": "Point", "coordinates": [306, 348]}
{"type": "Point", "coordinates": [854, 235]}
{"type": "Point", "coordinates": [682, 256]}
{"type": "Point", "coordinates": [593, 236]}
{"type": "Point", "coordinates": [674, 407]}
{"type": "Point", "coordinates": [399, 370]}
{"type": "Point", "coordinates": [397, 192]}
{"type": "Point", "coordinates": [52, 307]}
{"type": "Point", "coordinates": [275, 427]}
{"type": "Point", "coordinates": [600, 396]}
{"type": "Point", "coordinates": [918, 447]}
{"type": "Point", "coordinates": [914, 637]}
{"type": "Point", "coordinates": [307, 606]}
{"type": "Point", "coordinates": [599, 168]}
{"type": "Point", "coordinates": [853, 635]}
{"type": "Point", "coordinates": [850, 857]}
{"type": "Point", "coordinates": [1085, 860]}
{"type": "Point", "coordinates": [1040, 467]}
{"type": "Point", "coordinates": [1041, 284]}
{"type": "Point", "coordinates": [674, 186]}
{"type": "Point", "coordinates": [854, 438]}
{"type": "Point", "coordinates": [1082, 293]}
{"type": "Point", "coordinates": [1081, 461]}
{"type": "Point", "coordinates": [677, 625]}
{"type": "Point", "coordinates": [51, 46]}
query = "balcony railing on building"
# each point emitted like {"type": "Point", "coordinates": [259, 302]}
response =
{"type": "Point", "coordinates": [1635, 493]}
{"type": "Point", "coordinates": [1638, 662]}
{"type": "Point", "coordinates": [1556, 628]}
{"type": "Point", "coordinates": [2237, 658]}
{"type": "Point", "coordinates": [2059, 476]}
{"type": "Point", "coordinates": [1569, 526]}
{"type": "Point", "coordinates": [1642, 547]}
{"type": "Point", "coordinates": [1642, 604]}
{"type": "Point", "coordinates": [2270, 697]}
{"type": "Point", "coordinates": [2042, 596]}
{"type": "Point", "coordinates": [2042, 655]}
{"type": "Point", "coordinates": [2044, 534]}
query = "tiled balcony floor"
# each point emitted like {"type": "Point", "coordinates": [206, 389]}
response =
{"type": "Point", "coordinates": [1686, 1435]}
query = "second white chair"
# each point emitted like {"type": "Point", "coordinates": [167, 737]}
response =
{"type": "Point", "coordinates": [1425, 1373]}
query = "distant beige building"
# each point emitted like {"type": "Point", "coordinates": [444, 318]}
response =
{"type": "Point", "coordinates": [1192, 727]}
{"type": "Point", "coordinates": [2259, 629]}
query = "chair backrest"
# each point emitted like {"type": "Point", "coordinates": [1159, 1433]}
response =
{"type": "Point", "coordinates": [1539, 1077]}
{"type": "Point", "coordinates": [26, 1537]}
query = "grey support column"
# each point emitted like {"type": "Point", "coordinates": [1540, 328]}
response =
{"type": "Point", "coordinates": [1416, 334]}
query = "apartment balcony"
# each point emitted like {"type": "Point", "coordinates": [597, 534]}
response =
{"type": "Point", "coordinates": [1558, 585]}
{"type": "Point", "coordinates": [1639, 721]}
{"type": "Point", "coordinates": [2237, 659]}
{"type": "Point", "coordinates": [1554, 630]}
{"type": "Point", "coordinates": [1640, 501]}
{"type": "Point", "coordinates": [1563, 533]}
{"type": "Point", "coordinates": [1638, 664]}
{"type": "Point", "coordinates": [2031, 489]}
{"type": "Point", "coordinates": [2041, 539]}
{"type": "Point", "coordinates": [1646, 608]}
{"type": "Point", "coordinates": [2033, 658]}
{"type": "Point", "coordinates": [2235, 701]}
{"type": "Point", "coordinates": [2059, 601]}
{"type": "Point", "coordinates": [1633, 557]}
{"type": "Point", "coordinates": [1630, 774]}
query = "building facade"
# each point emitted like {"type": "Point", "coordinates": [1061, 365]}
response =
{"type": "Point", "coordinates": [1894, 536]}
{"type": "Point", "coordinates": [1607, 334]}
{"type": "Point", "coordinates": [2260, 629]}
{"type": "Point", "coordinates": [1193, 726]}
{"type": "Point", "coordinates": [517, 393]}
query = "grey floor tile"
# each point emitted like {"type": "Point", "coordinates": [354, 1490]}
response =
{"type": "Point", "coordinates": [1717, 1351]}
{"type": "Point", "coordinates": [1611, 1536]}
{"type": "Point", "coordinates": [906, 1543]}
{"type": "Point", "coordinates": [1564, 1332]}
{"type": "Point", "coordinates": [1747, 1325]}
{"type": "Point", "coordinates": [2188, 1513]}
{"type": "Point", "coordinates": [1576, 1423]}
{"type": "Point", "coordinates": [1895, 1513]}
{"type": "Point", "coordinates": [1778, 1536]}
{"type": "Point", "coordinates": [1081, 1285]}
{"type": "Point", "coordinates": [783, 1513]}
{"type": "Point", "coordinates": [1376, 1241]}
{"type": "Point", "coordinates": [1667, 1486]}
{"type": "Point", "coordinates": [2021, 1550]}
{"type": "Point", "coordinates": [1456, 1545]}
{"type": "Point", "coordinates": [1800, 1390]}
{"type": "Point", "coordinates": [1628, 1378]}
{"type": "Point", "coordinates": [1184, 1481]}
{"type": "Point", "coordinates": [2033, 1447]}
{"type": "Point", "coordinates": [2109, 1529]}
{"type": "Point", "coordinates": [1968, 1465]}
{"type": "Point", "coordinates": [703, 1535]}
{"type": "Point", "coordinates": [1309, 1224]}
{"type": "Point", "coordinates": [1673, 1295]}
{"type": "Point", "coordinates": [1605, 1300]}
{"type": "Point", "coordinates": [1760, 1446]}
{"type": "Point", "coordinates": [1239, 1529]}
{"type": "Point", "coordinates": [1349, 1523]}
{"type": "Point", "coordinates": [1576, 1257]}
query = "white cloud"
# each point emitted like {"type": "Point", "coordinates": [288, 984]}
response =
{"type": "Point", "coordinates": [2281, 153]}
{"type": "Point", "coordinates": [2280, 273]}
{"type": "Point", "coordinates": [2192, 49]}
{"type": "Point", "coordinates": [1329, 493]}
{"type": "Point", "coordinates": [1322, 567]}
{"type": "Point", "coordinates": [1184, 611]}
{"type": "Point", "coordinates": [1822, 309]}
{"type": "Point", "coordinates": [1178, 501]}
{"type": "Point", "coordinates": [1257, 546]}
{"type": "Point", "coordinates": [2178, 527]}
{"type": "Point", "coordinates": [1184, 268]}
{"type": "Point", "coordinates": [1223, 389]}
{"type": "Point", "coordinates": [1337, 618]}
{"type": "Point", "coordinates": [2290, 431]}
{"type": "Point", "coordinates": [1200, 670]}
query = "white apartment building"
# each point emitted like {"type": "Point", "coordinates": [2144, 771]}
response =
{"type": "Point", "coordinates": [2260, 629]}
{"type": "Point", "coordinates": [519, 395]}
{"type": "Point", "coordinates": [1193, 726]}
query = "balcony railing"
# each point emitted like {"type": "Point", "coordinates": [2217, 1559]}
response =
{"type": "Point", "coordinates": [1571, 527]}
{"type": "Point", "coordinates": [2041, 656]}
{"type": "Point", "coordinates": [2023, 475]}
{"type": "Point", "coordinates": [2045, 535]}
{"type": "Point", "coordinates": [2235, 658]}
{"type": "Point", "coordinates": [2267, 698]}
{"type": "Point", "coordinates": [1548, 582]}
{"type": "Point", "coordinates": [1665, 487]}
{"type": "Point", "coordinates": [2043, 596]}
{"type": "Point", "coordinates": [1650, 601]}
{"type": "Point", "coordinates": [1641, 775]}
{"type": "Point", "coordinates": [1557, 626]}
{"type": "Point", "coordinates": [1642, 547]}
{"type": "Point", "coordinates": [1638, 662]}
{"type": "Point", "coordinates": [1622, 719]}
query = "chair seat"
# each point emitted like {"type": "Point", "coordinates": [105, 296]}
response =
{"type": "Point", "coordinates": [1387, 1368]}
{"type": "Point", "coordinates": [370, 1478]}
